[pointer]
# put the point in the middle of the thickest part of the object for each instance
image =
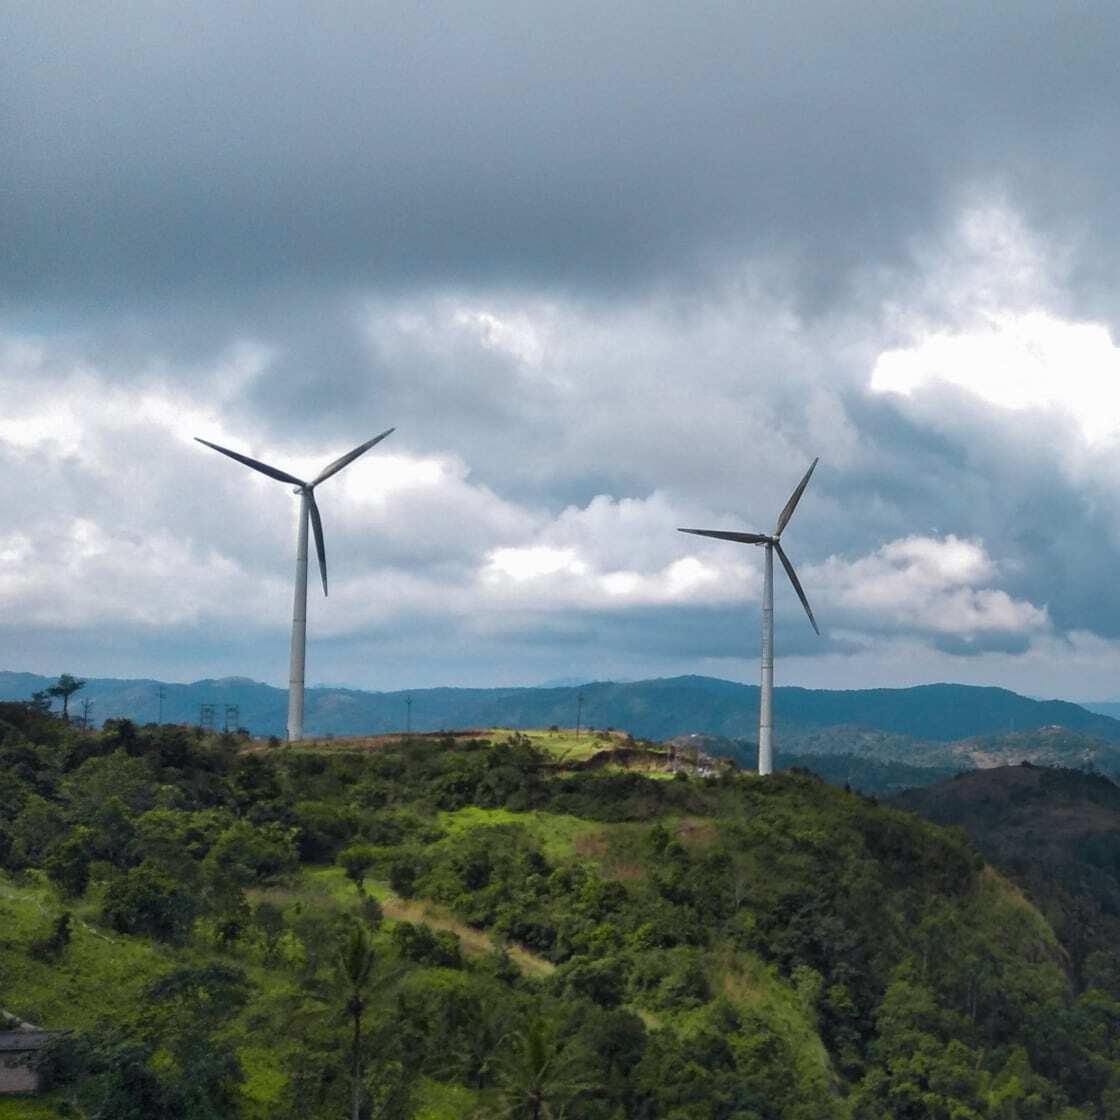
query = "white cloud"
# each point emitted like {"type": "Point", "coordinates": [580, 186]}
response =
{"type": "Point", "coordinates": [987, 314]}
{"type": "Point", "coordinates": [935, 585]}
{"type": "Point", "coordinates": [1017, 360]}
{"type": "Point", "coordinates": [532, 563]}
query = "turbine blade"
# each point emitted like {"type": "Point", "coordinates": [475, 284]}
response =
{"type": "Point", "coordinates": [349, 457]}
{"type": "Point", "coordinates": [320, 548]}
{"type": "Point", "coordinates": [264, 468]}
{"type": "Point", "coordinates": [794, 498]}
{"type": "Point", "coordinates": [742, 538]}
{"type": "Point", "coordinates": [796, 585]}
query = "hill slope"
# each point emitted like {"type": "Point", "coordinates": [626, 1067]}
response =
{"type": "Point", "coordinates": [1056, 832]}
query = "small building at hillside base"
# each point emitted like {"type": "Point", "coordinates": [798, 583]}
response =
{"type": "Point", "coordinates": [20, 1053]}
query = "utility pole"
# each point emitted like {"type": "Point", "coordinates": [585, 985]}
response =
{"type": "Point", "coordinates": [579, 712]}
{"type": "Point", "coordinates": [206, 717]}
{"type": "Point", "coordinates": [408, 715]}
{"type": "Point", "coordinates": [160, 695]}
{"type": "Point", "coordinates": [233, 712]}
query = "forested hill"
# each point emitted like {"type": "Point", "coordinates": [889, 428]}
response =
{"type": "Point", "coordinates": [451, 929]}
{"type": "Point", "coordinates": [1056, 832]}
{"type": "Point", "coordinates": [653, 709]}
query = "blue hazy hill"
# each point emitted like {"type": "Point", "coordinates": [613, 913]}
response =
{"type": "Point", "coordinates": [654, 709]}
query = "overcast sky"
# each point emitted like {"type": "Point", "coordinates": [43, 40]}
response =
{"type": "Point", "coordinates": [608, 270]}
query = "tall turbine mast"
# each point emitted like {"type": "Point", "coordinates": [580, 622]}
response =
{"type": "Point", "coordinates": [308, 511]}
{"type": "Point", "coordinates": [772, 544]}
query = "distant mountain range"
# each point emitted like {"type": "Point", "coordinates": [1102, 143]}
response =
{"type": "Point", "coordinates": [911, 723]}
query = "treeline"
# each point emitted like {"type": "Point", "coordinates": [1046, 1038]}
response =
{"type": "Point", "coordinates": [724, 948]}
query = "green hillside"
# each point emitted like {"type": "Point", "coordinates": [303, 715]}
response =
{"type": "Point", "coordinates": [510, 933]}
{"type": "Point", "coordinates": [1056, 832]}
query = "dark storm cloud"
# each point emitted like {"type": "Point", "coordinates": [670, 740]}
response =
{"type": "Point", "coordinates": [152, 148]}
{"type": "Point", "coordinates": [612, 270]}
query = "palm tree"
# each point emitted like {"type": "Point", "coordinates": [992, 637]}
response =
{"type": "Point", "coordinates": [538, 1075]}
{"type": "Point", "coordinates": [355, 966]}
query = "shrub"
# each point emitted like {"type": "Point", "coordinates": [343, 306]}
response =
{"type": "Point", "coordinates": [146, 900]}
{"type": "Point", "coordinates": [439, 948]}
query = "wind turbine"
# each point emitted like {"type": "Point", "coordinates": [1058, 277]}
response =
{"type": "Point", "coordinates": [307, 509]}
{"type": "Point", "coordinates": [772, 544]}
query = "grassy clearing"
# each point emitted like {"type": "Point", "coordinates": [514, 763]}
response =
{"type": "Point", "coordinates": [563, 745]}
{"type": "Point", "coordinates": [616, 850]}
{"type": "Point", "coordinates": [558, 834]}
{"type": "Point", "coordinates": [98, 976]}
{"type": "Point", "coordinates": [755, 986]}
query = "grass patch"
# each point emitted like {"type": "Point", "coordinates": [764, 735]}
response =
{"type": "Point", "coordinates": [438, 1101]}
{"type": "Point", "coordinates": [753, 985]}
{"type": "Point", "coordinates": [28, 1108]}
{"type": "Point", "coordinates": [99, 976]}
{"type": "Point", "coordinates": [264, 1081]}
{"type": "Point", "coordinates": [563, 745]}
{"type": "Point", "coordinates": [558, 834]}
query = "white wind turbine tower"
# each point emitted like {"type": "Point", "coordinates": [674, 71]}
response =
{"type": "Point", "coordinates": [772, 544]}
{"type": "Point", "coordinates": [307, 509]}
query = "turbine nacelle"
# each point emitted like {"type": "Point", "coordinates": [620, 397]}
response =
{"type": "Point", "coordinates": [772, 540]}
{"type": "Point", "coordinates": [305, 489]}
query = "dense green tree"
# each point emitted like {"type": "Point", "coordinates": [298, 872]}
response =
{"type": "Point", "coordinates": [149, 901]}
{"type": "Point", "coordinates": [107, 1072]}
{"type": "Point", "coordinates": [35, 831]}
{"type": "Point", "coordinates": [68, 866]}
{"type": "Point", "coordinates": [250, 854]}
{"type": "Point", "coordinates": [356, 861]}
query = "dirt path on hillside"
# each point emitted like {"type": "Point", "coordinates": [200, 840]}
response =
{"type": "Point", "coordinates": [475, 941]}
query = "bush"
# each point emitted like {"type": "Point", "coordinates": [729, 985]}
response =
{"type": "Point", "coordinates": [146, 900]}
{"type": "Point", "coordinates": [68, 867]}
{"type": "Point", "coordinates": [253, 854]}
{"type": "Point", "coordinates": [403, 873]}
{"type": "Point", "coordinates": [51, 947]}
{"type": "Point", "coordinates": [439, 948]}
{"type": "Point", "coordinates": [356, 861]}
